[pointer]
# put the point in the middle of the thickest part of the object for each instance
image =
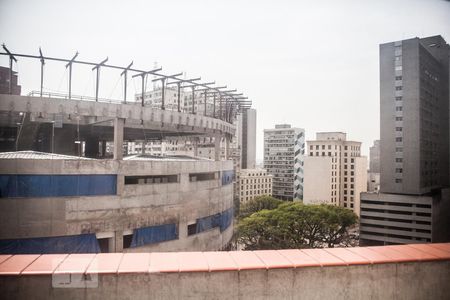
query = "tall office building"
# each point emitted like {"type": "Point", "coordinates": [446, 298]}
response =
{"type": "Point", "coordinates": [373, 175]}
{"type": "Point", "coordinates": [413, 204]}
{"type": "Point", "coordinates": [246, 136]}
{"type": "Point", "coordinates": [284, 149]}
{"type": "Point", "coordinates": [335, 172]}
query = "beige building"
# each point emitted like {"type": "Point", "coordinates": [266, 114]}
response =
{"type": "Point", "coordinates": [253, 183]}
{"type": "Point", "coordinates": [334, 172]}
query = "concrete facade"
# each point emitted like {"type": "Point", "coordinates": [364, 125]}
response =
{"type": "Point", "coordinates": [414, 95]}
{"type": "Point", "coordinates": [335, 172]}
{"type": "Point", "coordinates": [284, 150]}
{"type": "Point", "coordinates": [414, 203]}
{"type": "Point", "coordinates": [416, 272]}
{"type": "Point", "coordinates": [191, 195]}
{"type": "Point", "coordinates": [246, 138]}
{"type": "Point", "coordinates": [134, 206]}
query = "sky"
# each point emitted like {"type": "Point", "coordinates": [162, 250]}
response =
{"type": "Point", "coordinates": [311, 64]}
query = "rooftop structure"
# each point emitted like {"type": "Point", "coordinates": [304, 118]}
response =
{"type": "Point", "coordinates": [68, 185]}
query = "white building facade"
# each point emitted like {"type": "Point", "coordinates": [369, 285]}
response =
{"type": "Point", "coordinates": [335, 171]}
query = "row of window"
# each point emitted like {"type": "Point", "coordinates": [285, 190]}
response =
{"type": "Point", "coordinates": [172, 178]}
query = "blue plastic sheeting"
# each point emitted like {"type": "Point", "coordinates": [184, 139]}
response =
{"type": "Point", "coordinates": [227, 177]}
{"type": "Point", "coordinates": [154, 234]}
{"type": "Point", "coordinates": [12, 186]}
{"type": "Point", "coordinates": [208, 223]}
{"type": "Point", "coordinates": [222, 220]}
{"type": "Point", "coordinates": [226, 219]}
{"type": "Point", "coordinates": [84, 243]}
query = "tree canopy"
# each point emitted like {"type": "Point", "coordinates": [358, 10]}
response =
{"type": "Point", "coordinates": [295, 225]}
{"type": "Point", "coordinates": [257, 204]}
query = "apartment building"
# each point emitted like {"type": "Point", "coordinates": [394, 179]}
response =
{"type": "Point", "coordinates": [284, 149]}
{"type": "Point", "coordinates": [253, 183]}
{"type": "Point", "coordinates": [335, 172]}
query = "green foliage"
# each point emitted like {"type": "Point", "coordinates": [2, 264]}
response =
{"type": "Point", "coordinates": [295, 225]}
{"type": "Point", "coordinates": [257, 204]}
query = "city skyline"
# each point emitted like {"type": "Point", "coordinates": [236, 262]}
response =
{"type": "Point", "coordinates": [301, 63]}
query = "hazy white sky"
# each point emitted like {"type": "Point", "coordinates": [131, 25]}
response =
{"type": "Point", "coordinates": [313, 64]}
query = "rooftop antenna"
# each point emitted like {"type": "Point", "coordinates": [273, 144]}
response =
{"type": "Point", "coordinates": [11, 59]}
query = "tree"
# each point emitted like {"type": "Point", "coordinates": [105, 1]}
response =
{"type": "Point", "coordinates": [295, 225]}
{"type": "Point", "coordinates": [257, 204]}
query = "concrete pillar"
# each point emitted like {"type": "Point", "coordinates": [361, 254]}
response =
{"type": "Point", "coordinates": [227, 147]}
{"type": "Point", "coordinates": [217, 139]}
{"type": "Point", "coordinates": [118, 138]}
{"type": "Point", "coordinates": [195, 147]}
{"type": "Point", "coordinates": [118, 241]}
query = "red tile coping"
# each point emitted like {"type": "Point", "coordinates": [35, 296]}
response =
{"type": "Point", "coordinates": [175, 262]}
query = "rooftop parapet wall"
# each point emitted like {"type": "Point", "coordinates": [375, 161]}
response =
{"type": "Point", "coordinates": [388, 272]}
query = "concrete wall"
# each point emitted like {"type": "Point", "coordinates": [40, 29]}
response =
{"type": "Point", "coordinates": [317, 180]}
{"type": "Point", "coordinates": [392, 280]}
{"type": "Point", "coordinates": [134, 206]}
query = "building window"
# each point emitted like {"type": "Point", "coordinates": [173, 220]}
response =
{"type": "Point", "coordinates": [398, 77]}
{"type": "Point", "coordinates": [398, 88]}
{"type": "Point", "coordinates": [398, 129]}
{"type": "Point", "coordinates": [398, 139]}
{"type": "Point", "coordinates": [398, 180]}
{"type": "Point", "coordinates": [398, 108]}
{"type": "Point", "coordinates": [398, 170]}
{"type": "Point", "coordinates": [399, 160]}
{"type": "Point", "coordinates": [398, 118]}
{"type": "Point", "coordinates": [399, 149]}
{"type": "Point", "coordinates": [398, 98]}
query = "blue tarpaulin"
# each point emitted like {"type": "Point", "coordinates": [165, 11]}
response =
{"type": "Point", "coordinates": [227, 177]}
{"type": "Point", "coordinates": [221, 220]}
{"type": "Point", "coordinates": [226, 219]}
{"type": "Point", "coordinates": [154, 234]}
{"type": "Point", "coordinates": [12, 186]}
{"type": "Point", "coordinates": [84, 243]}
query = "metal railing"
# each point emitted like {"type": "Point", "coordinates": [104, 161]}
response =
{"type": "Point", "coordinates": [228, 101]}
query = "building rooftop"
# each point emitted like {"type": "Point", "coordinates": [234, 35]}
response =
{"type": "Point", "coordinates": [38, 155]}
{"type": "Point", "coordinates": [148, 157]}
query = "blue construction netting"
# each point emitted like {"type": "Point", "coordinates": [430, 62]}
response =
{"type": "Point", "coordinates": [154, 234]}
{"type": "Point", "coordinates": [13, 186]}
{"type": "Point", "coordinates": [222, 220]}
{"type": "Point", "coordinates": [84, 243]}
{"type": "Point", "coordinates": [227, 177]}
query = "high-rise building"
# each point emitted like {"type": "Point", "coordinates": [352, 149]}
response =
{"type": "Point", "coordinates": [413, 204]}
{"type": "Point", "coordinates": [254, 183]}
{"type": "Point", "coordinates": [284, 149]}
{"type": "Point", "coordinates": [373, 175]}
{"type": "Point", "coordinates": [246, 136]}
{"type": "Point", "coordinates": [335, 172]}
{"type": "Point", "coordinates": [4, 82]}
